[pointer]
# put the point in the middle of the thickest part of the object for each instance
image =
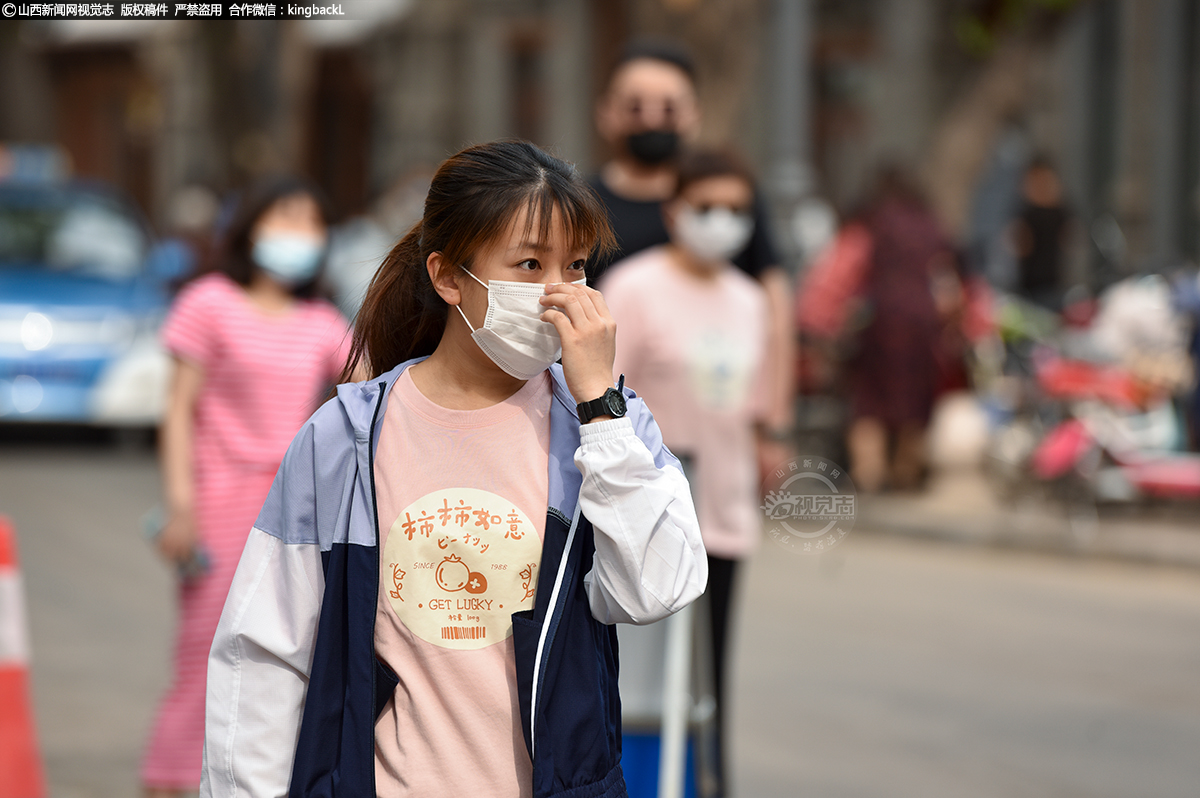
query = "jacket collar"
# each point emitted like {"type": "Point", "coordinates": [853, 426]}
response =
{"type": "Point", "coordinates": [359, 400]}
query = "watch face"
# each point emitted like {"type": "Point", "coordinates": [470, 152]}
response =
{"type": "Point", "coordinates": [615, 402]}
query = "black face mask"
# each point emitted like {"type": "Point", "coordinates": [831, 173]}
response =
{"type": "Point", "coordinates": [652, 147]}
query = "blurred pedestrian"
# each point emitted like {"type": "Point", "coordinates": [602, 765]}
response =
{"type": "Point", "coordinates": [425, 605]}
{"type": "Point", "coordinates": [649, 110]}
{"type": "Point", "coordinates": [1039, 235]}
{"type": "Point", "coordinates": [254, 349]}
{"type": "Point", "coordinates": [910, 286]}
{"type": "Point", "coordinates": [693, 344]}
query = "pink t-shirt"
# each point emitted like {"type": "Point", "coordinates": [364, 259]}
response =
{"type": "Point", "coordinates": [694, 350]}
{"type": "Point", "coordinates": [462, 512]}
{"type": "Point", "coordinates": [264, 374]}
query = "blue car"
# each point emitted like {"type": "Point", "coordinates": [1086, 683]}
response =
{"type": "Point", "coordinates": [82, 295]}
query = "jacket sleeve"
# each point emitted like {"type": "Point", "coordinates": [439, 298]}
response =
{"type": "Point", "coordinates": [258, 669]}
{"type": "Point", "coordinates": [262, 652]}
{"type": "Point", "coordinates": [649, 560]}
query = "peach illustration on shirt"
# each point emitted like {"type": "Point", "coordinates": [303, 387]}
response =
{"type": "Point", "coordinates": [452, 574]}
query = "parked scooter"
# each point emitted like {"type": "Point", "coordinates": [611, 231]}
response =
{"type": "Point", "coordinates": [1091, 416]}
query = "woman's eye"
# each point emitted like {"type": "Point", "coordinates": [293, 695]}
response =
{"type": "Point", "coordinates": [577, 266]}
{"type": "Point", "coordinates": [529, 265]}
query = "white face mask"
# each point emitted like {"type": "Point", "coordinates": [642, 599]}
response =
{"type": "Point", "coordinates": [513, 334]}
{"type": "Point", "coordinates": [715, 235]}
{"type": "Point", "coordinates": [290, 258]}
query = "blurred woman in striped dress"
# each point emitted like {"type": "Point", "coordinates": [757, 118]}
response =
{"type": "Point", "coordinates": [254, 348]}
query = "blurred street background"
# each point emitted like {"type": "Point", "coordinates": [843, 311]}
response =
{"type": "Point", "coordinates": [1021, 622]}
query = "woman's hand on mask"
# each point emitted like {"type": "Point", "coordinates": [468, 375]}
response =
{"type": "Point", "coordinates": [589, 337]}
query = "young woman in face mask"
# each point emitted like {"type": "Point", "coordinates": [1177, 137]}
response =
{"type": "Point", "coordinates": [253, 352]}
{"type": "Point", "coordinates": [424, 605]}
{"type": "Point", "coordinates": [693, 342]}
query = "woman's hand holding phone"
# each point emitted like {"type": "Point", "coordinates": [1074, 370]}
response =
{"type": "Point", "coordinates": [177, 541]}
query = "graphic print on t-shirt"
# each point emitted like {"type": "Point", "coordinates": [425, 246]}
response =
{"type": "Point", "coordinates": [720, 366]}
{"type": "Point", "coordinates": [460, 562]}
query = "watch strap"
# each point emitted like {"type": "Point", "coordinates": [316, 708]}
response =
{"type": "Point", "coordinates": [589, 410]}
{"type": "Point", "coordinates": [598, 406]}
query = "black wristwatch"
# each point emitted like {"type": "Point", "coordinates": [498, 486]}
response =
{"type": "Point", "coordinates": [612, 403]}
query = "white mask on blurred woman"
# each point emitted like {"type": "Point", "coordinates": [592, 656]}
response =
{"type": "Point", "coordinates": [713, 235]}
{"type": "Point", "coordinates": [290, 258]}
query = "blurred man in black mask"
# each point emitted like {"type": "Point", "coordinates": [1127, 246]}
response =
{"type": "Point", "coordinates": [648, 112]}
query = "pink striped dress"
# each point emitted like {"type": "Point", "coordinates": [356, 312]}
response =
{"type": "Point", "coordinates": [263, 376]}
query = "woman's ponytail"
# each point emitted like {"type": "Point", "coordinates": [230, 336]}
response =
{"type": "Point", "coordinates": [401, 317]}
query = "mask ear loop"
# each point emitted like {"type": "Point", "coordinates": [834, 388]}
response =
{"type": "Point", "coordinates": [458, 307]}
{"type": "Point", "coordinates": [464, 315]}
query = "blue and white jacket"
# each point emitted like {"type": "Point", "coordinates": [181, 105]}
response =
{"type": "Point", "coordinates": [294, 686]}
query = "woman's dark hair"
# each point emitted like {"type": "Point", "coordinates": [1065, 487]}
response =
{"type": "Point", "coordinates": [234, 248]}
{"type": "Point", "coordinates": [697, 165]}
{"type": "Point", "coordinates": [473, 198]}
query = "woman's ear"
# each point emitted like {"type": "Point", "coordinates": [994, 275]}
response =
{"type": "Point", "coordinates": [445, 281]}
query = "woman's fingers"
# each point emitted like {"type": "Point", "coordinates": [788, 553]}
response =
{"type": "Point", "coordinates": [566, 295]}
{"type": "Point", "coordinates": [569, 305]}
{"type": "Point", "coordinates": [177, 540]}
{"type": "Point", "coordinates": [560, 321]}
{"type": "Point", "coordinates": [174, 550]}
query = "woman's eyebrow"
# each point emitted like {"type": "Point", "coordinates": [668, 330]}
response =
{"type": "Point", "coordinates": [540, 246]}
{"type": "Point", "coordinates": [536, 246]}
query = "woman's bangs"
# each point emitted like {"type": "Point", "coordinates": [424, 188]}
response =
{"type": "Point", "coordinates": [581, 218]}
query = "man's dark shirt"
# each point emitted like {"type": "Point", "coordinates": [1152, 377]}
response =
{"type": "Point", "coordinates": [639, 225]}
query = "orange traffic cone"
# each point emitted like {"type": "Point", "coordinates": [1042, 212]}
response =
{"type": "Point", "coordinates": [20, 765]}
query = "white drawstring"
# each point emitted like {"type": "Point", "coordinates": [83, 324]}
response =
{"type": "Point", "coordinates": [537, 664]}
